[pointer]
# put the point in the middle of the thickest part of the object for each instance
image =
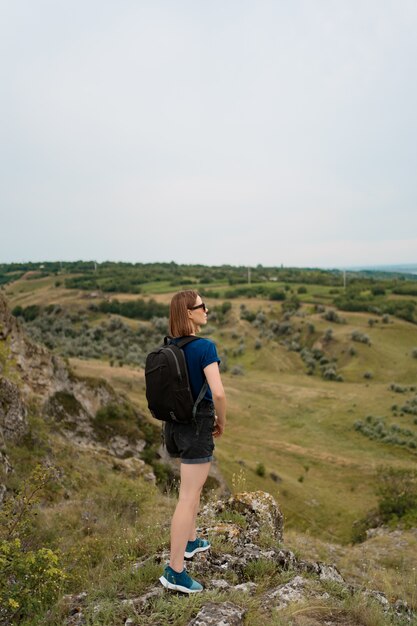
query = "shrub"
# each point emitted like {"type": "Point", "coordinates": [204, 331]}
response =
{"type": "Point", "coordinates": [360, 337]}
{"type": "Point", "coordinates": [278, 296]}
{"type": "Point", "coordinates": [397, 388]}
{"type": "Point", "coordinates": [260, 469]}
{"type": "Point", "coordinates": [247, 315]}
{"type": "Point", "coordinates": [291, 304]}
{"type": "Point", "coordinates": [397, 491]}
{"type": "Point", "coordinates": [414, 353]}
{"type": "Point", "coordinates": [330, 373]}
{"type": "Point", "coordinates": [328, 335]}
{"type": "Point", "coordinates": [332, 316]}
{"type": "Point", "coordinates": [237, 370]}
{"type": "Point", "coordinates": [368, 375]}
{"type": "Point", "coordinates": [30, 578]}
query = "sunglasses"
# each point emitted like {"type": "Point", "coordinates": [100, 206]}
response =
{"type": "Point", "coordinates": [199, 306]}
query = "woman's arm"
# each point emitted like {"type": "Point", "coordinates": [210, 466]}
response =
{"type": "Point", "coordinates": [214, 380]}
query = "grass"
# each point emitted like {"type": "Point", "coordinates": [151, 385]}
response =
{"type": "Point", "coordinates": [299, 427]}
{"type": "Point", "coordinates": [279, 416]}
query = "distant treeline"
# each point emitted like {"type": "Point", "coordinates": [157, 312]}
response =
{"type": "Point", "coordinates": [136, 309]}
{"type": "Point", "coordinates": [356, 301]}
{"type": "Point", "coordinates": [129, 277]}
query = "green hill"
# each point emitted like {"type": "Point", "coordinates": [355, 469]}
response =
{"type": "Point", "coordinates": [319, 400]}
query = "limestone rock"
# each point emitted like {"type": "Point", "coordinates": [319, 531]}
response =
{"type": "Point", "coordinates": [121, 447]}
{"type": "Point", "coordinates": [13, 412]}
{"type": "Point", "coordinates": [225, 614]}
{"type": "Point", "coordinates": [260, 511]}
{"type": "Point", "coordinates": [282, 596]}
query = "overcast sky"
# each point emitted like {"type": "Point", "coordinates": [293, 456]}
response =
{"type": "Point", "coordinates": [221, 131]}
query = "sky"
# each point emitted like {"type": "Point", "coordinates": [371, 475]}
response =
{"type": "Point", "coordinates": [230, 131]}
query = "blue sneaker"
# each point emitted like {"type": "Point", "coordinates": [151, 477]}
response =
{"type": "Point", "coordinates": [198, 545]}
{"type": "Point", "coordinates": [179, 581]}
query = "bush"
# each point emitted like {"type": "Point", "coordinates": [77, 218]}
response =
{"type": "Point", "coordinates": [414, 353]}
{"type": "Point", "coordinates": [277, 296]}
{"type": "Point", "coordinates": [360, 337]}
{"type": "Point", "coordinates": [291, 304]}
{"type": "Point", "coordinates": [332, 316]}
{"type": "Point", "coordinates": [260, 469]}
{"type": "Point", "coordinates": [30, 578]}
{"type": "Point", "coordinates": [397, 491]}
{"type": "Point", "coordinates": [237, 370]}
{"type": "Point", "coordinates": [328, 335]}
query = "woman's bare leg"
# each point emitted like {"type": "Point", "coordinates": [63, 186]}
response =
{"type": "Point", "coordinates": [193, 477]}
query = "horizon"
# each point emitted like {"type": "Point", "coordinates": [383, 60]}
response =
{"type": "Point", "coordinates": [405, 267]}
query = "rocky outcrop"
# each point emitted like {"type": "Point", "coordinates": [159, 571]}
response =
{"type": "Point", "coordinates": [227, 614]}
{"type": "Point", "coordinates": [13, 412]}
{"type": "Point", "coordinates": [29, 372]}
{"type": "Point", "coordinates": [223, 569]}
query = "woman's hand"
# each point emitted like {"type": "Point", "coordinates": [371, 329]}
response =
{"type": "Point", "coordinates": [219, 426]}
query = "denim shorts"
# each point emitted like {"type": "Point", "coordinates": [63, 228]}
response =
{"type": "Point", "coordinates": [193, 442]}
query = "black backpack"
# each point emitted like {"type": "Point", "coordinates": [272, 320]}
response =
{"type": "Point", "coordinates": [168, 389]}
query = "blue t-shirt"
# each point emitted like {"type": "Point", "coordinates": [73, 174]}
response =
{"type": "Point", "coordinates": [198, 354]}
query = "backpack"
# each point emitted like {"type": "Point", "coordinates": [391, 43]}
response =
{"type": "Point", "coordinates": [168, 389]}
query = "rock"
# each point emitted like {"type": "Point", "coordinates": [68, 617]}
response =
{"type": "Point", "coordinates": [134, 467]}
{"type": "Point", "coordinates": [5, 465]}
{"type": "Point", "coordinates": [329, 572]}
{"type": "Point", "coordinates": [13, 413]}
{"type": "Point", "coordinates": [219, 584]}
{"type": "Point", "coordinates": [225, 614]}
{"type": "Point", "coordinates": [248, 587]}
{"type": "Point", "coordinates": [141, 601]}
{"type": "Point", "coordinates": [260, 510]}
{"type": "Point", "coordinates": [293, 591]}
{"type": "Point", "coordinates": [121, 447]}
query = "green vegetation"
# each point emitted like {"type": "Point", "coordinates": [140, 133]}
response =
{"type": "Point", "coordinates": [397, 502]}
{"type": "Point", "coordinates": [77, 334]}
{"type": "Point", "coordinates": [307, 380]}
{"type": "Point", "coordinates": [31, 576]}
{"type": "Point", "coordinates": [376, 428]}
{"type": "Point", "coordinates": [136, 309]}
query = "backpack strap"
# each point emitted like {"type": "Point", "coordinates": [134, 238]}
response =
{"type": "Point", "coordinates": [200, 397]}
{"type": "Point", "coordinates": [181, 342]}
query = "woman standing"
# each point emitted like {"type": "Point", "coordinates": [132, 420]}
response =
{"type": "Point", "coordinates": [192, 442]}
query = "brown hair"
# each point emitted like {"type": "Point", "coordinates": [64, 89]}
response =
{"type": "Point", "coordinates": [180, 324]}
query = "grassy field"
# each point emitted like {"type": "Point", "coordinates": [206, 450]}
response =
{"type": "Point", "coordinates": [299, 427]}
{"type": "Point", "coordinates": [288, 433]}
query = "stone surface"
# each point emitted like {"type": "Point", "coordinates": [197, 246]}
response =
{"type": "Point", "coordinates": [259, 509]}
{"type": "Point", "coordinates": [13, 413]}
{"type": "Point", "coordinates": [224, 614]}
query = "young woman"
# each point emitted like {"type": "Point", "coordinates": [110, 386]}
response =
{"type": "Point", "coordinates": [193, 442]}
